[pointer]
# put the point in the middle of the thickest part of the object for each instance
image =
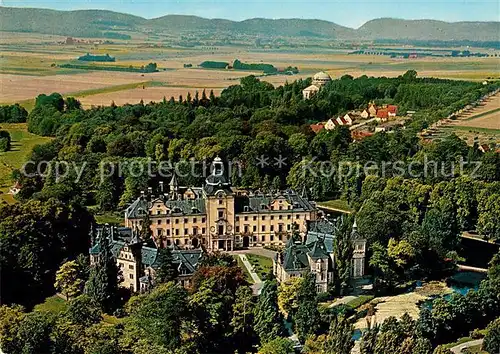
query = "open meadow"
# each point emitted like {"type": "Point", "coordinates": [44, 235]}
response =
{"type": "Point", "coordinates": [30, 64]}
{"type": "Point", "coordinates": [22, 144]}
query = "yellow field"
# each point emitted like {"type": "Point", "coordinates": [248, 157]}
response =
{"type": "Point", "coordinates": [29, 66]}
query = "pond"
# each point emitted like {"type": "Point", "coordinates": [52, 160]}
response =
{"type": "Point", "coordinates": [461, 283]}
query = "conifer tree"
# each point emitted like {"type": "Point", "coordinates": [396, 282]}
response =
{"type": "Point", "coordinates": [102, 286]}
{"type": "Point", "coordinates": [307, 319]}
{"type": "Point", "coordinates": [167, 270]}
{"type": "Point", "coordinates": [268, 319]}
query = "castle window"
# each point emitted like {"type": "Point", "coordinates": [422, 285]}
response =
{"type": "Point", "coordinates": [130, 266]}
{"type": "Point", "coordinates": [159, 222]}
{"type": "Point", "coordinates": [202, 219]}
{"type": "Point", "coordinates": [168, 232]}
{"type": "Point", "coordinates": [194, 220]}
{"type": "Point", "coordinates": [263, 217]}
{"type": "Point", "coordinates": [272, 227]}
{"type": "Point", "coordinates": [246, 218]}
{"type": "Point", "coordinates": [177, 242]}
{"type": "Point", "coordinates": [263, 227]}
{"type": "Point", "coordinates": [254, 218]}
{"type": "Point", "coordinates": [121, 265]}
{"type": "Point", "coordinates": [176, 232]}
{"type": "Point", "coordinates": [168, 221]}
{"type": "Point", "coordinates": [176, 221]}
{"type": "Point", "coordinates": [272, 238]}
{"type": "Point", "coordinates": [237, 218]}
{"type": "Point", "coordinates": [158, 212]}
{"type": "Point", "coordinates": [288, 217]}
{"type": "Point", "coordinates": [203, 230]}
{"type": "Point", "coordinates": [272, 217]}
{"type": "Point", "coordinates": [221, 202]}
{"type": "Point", "coordinates": [297, 216]}
{"type": "Point", "coordinates": [195, 230]}
{"type": "Point", "coordinates": [263, 238]}
{"type": "Point", "coordinates": [131, 276]}
{"type": "Point", "coordinates": [186, 231]}
{"type": "Point", "coordinates": [288, 227]}
{"type": "Point", "coordinates": [281, 207]}
{"type": "Point", "coordinates": [221, 214]}
{"type": "Point", "coordinates": [185, 221]}
{"type": "Point", "coordinates": [254, 228]}
{"type": "Point", "coordinates": [158, 231]}
{"type": "Point", "coordinates": [280, 217]}
{"type": "Point", "coordinates": [237, 229]}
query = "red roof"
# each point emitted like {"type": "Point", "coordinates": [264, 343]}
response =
{"type": "Point", "coordinates": [358, 135]}
{"type": "Point", "coordinates": [317, 127]}
{"type": "Point", "coordinates": [383, 113]}
{"type": "Point", "coordinates": [392, 109]}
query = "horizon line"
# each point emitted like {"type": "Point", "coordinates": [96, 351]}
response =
{"type": "Point", "coordinates": [250, 18]}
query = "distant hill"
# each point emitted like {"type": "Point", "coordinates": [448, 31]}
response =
{"type": "Point", "coordinates": [97, 23]}
{"type": "Point", "coordinates": [389, 28]}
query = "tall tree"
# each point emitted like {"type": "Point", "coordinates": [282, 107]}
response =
{"type": "Point", "coordinates": [167, 270]}
{"type": "Point", "coordinates": [492, 339]}
{"type": "Point", "coordinates": [68, 280]}
{"type": "Point", "coordinates": [102, 286]}
{"type": "Point", "coordinates": [307, 318]}
{"type": "Point", "coordinates": [343, 251]}
{"type": "Point", "coordinates": [268, 319]}
{"type": "Point", "coordinates": [243, 334]}
{"type": "Point", "coordinates": [369, 340]}
{"type": "Point", "coordinates": [339, 339]}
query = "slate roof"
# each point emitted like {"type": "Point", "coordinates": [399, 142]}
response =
{"type": "Point", "coordinates": [123, 236]}
{"type": "Point", "coordinates": [260, 202]}
{"type": "Point", "coordinates": [179, 206]}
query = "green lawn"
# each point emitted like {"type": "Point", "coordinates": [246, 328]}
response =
{"type": "Point", "coordinates": [53, 304]}
{"type": "Point", "coordinates": [337, 204]}
{"type": "Point", "coordinates": [262, 265]}
{"type": "Point", "coordinates": [247, 275]}
{"type": "Point", "coordinates": [22, 144]}
{"type": "Point", "coordinates": [359, 301]}
{"type": "Point", "coordinates": [109, 218]}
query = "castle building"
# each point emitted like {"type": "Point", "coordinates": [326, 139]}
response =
{"type": "Point", "coordinates": [218, 216]}
{"type": "Point", "coordinates": [138, 259]}
{"type": "Point", "coordinates": [316, 255]}
{"type": "Point", "coordinates": [319, 80]}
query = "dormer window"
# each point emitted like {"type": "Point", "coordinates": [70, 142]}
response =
{"type": "Point", "coordinates": [246, 208]}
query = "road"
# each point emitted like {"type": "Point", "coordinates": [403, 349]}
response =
{"type": "Point", "coordinates": [459, 348]}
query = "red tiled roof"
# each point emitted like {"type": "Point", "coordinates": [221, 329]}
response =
{"type": "Point", "coordinates": [317, 127]}
{"type": "Point", "coordinates": [392, 109]}
{"type": "Point", "coordinates": [383, 113]}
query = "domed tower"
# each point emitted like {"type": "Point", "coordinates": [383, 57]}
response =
{"type": "Point", "coordinates": [321, 79]}
{"type": "Point", "coordinates": [220, 209]}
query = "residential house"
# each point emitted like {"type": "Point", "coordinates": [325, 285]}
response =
{"type": "Point", "coordinates": [365, 114]}
{"type": "Point", "coordinates": [330, 124]}
{"type": "Point", "coordinates": [316, 128]}
{"type": "Point", "coordinates": [310, 91]}
{"type": "Point", "coordinates": [392, 110]}
{"type": "Point", "coordinates": [372, 109]}
{"type": "Point", "coordinates": [383, 114]}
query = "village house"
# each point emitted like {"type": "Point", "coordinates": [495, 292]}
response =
{"type": "Point", "coordinates": [316, 128]}
{"type": "Point", "coordinates": [365, 114]}
{"type": "Point", "coordinates": [372, 110]}
{"type": "Point", "coordinates": [218, 216]}
{"type": "Point", "coordinates": [383, 115]}
{"type": "Point", "coordinates": [316, 255]}
{"type": "Point", "coordinates": [330, 124]}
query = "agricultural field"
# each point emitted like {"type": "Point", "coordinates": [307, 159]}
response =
{"type": "Point", "coordinates": [30, 65]}
{"type": "Point", "coordinates": [22, 144]}
{"type": "Point", "coordinates": [480, 123]}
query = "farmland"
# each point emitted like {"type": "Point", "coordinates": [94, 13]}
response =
{"type": "Point", "coordinates": [480, 123]}
{"type": "Point", "coordinates": [30, 64]}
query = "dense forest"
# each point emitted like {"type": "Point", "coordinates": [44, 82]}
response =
{"type": "Point", "coordinates": [412, 219]}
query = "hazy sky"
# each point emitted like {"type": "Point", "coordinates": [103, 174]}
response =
{"type": "Point", "coordinates": [352, 13]}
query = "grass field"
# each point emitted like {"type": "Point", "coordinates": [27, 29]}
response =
{"type": "Point", "coordinates": [247, 275]}
{"type": "Point", "coordinates": [22, 144]}
{"type": "Point", "coordinates": [53, 305]}
{"type": "Point", "coordinates": [338, 205]}
{"type": "Point", "coordinates": [262, 265]}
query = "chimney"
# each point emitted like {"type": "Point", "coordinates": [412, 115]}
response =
{"type": "Point", "coordinates": [150, 190]}
{"type": "Point", "coordinates": [161, 186]}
